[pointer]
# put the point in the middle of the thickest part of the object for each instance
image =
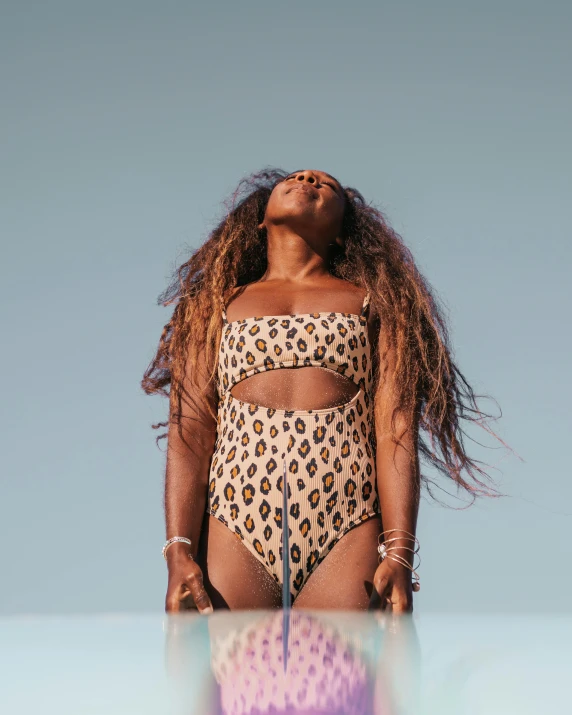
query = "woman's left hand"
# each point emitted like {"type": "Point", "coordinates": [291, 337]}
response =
{"type": "Point", "coordinates": [392, 588]}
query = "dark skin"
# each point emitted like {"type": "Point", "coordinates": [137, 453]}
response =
{"type": "Point", "coordinates": [303, 217]}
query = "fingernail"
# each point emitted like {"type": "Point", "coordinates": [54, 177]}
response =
{"type": "Point", "coordinates": [208, 609]}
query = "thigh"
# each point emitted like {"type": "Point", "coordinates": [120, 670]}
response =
{"type": "Point", "coordinates": [233, 577]}
{"type": "Point", "coordinates": [344, 579]}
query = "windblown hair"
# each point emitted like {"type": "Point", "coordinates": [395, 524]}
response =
{"type": "Point", "coordinates": [432, 390]}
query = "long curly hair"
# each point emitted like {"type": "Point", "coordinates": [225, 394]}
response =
{"type": "Point", "coordinates": [432, 391]}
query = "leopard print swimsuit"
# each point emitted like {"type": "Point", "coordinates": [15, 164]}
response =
{"type": "Point", "coordinates": [328, 453]}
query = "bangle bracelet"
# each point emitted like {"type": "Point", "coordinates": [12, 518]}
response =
{"type": "Point", "coordinates": [172, 541]}
{"type": "Point", "coordinates": [384, 549]}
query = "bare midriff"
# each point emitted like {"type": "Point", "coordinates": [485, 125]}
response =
{"type": "Point", "coordinates": [300, 388]}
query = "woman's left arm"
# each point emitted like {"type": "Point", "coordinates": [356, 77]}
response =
{"type": "Point", "coordinates": [397, 470]}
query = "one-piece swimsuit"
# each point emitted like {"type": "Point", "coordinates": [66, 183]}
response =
{"type": "Point", "coordinates": [327, 453]}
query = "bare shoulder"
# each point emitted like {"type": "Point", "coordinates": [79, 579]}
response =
{"type": "Point", "coordinates": [345, 287]}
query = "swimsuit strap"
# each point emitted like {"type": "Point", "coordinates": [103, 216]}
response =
{"type": "Point", "coordinates": [365, 304]}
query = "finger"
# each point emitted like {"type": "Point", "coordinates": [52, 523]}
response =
{"type": "Point", "coordinates": [200, 596]}
{"type": "Point", "coordinates": [186, 599]}
{"type": "Point", "coordinates": [173, 601]}
{"type": "Point", "coordinates": [403, 600]}
{"type": "Point", "coordinates": [377, 599]}
{"type": "Point", "coordinates": [402, 605]}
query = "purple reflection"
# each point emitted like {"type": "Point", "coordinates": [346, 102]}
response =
{"type": "Point", "coordinates": [325, 671]}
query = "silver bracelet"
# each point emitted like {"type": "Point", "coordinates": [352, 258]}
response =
{"type": "Point", "coordinates": [384, 549]}
{"type": "Point", "coordinates": [172, 541]}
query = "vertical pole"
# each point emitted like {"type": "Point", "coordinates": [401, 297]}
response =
{"type": "Point", "coordinates": [285, 543]}
{"type": "Point", "coordinates": [285, 569]}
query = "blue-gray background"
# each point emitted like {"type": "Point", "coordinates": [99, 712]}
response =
{"type": "Point", "coordinates": [125, 124]}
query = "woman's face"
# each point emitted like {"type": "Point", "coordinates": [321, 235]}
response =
{"type": "Point", "coordinates": [310, 202]}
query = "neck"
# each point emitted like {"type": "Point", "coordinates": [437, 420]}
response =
{"type": "Point", "coordinates": [295, 258]}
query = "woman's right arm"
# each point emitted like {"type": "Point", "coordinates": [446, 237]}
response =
{"type": "Point", "coordinates": [186, 483]}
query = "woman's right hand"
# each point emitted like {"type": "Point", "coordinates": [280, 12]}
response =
{"type": "Point", "coordinates": [186, 589]}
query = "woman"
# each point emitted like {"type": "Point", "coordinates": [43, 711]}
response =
{"type": "Point", "coordinates": [304, 343]}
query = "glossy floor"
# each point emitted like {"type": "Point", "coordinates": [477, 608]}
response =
{"type": "Point", "coordinates": [286, 662]}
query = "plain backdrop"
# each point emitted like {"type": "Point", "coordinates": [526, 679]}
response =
{"type": "Point", "coordinates": [125, 124]}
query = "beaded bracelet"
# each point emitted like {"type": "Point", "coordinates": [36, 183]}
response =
{"type": "Point", "coordinates": [172, 541]}
{"type": "Point", "coordinates": [383, 549]}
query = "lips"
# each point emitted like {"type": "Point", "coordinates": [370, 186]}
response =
{"type": "Point", "coordinates": [305, 188]}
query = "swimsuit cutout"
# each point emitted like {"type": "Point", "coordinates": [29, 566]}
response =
{"type": "Point", "coordinates": [330, 462]}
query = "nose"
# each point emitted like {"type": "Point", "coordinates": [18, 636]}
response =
{"type": "Point", "coordinates": [307, 175]}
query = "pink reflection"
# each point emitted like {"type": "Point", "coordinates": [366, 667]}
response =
{"type": "Point", "coordinates": [324, 671]}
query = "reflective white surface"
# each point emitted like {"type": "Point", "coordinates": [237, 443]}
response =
{"type": "Point", "coordinates": [433, 663]}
